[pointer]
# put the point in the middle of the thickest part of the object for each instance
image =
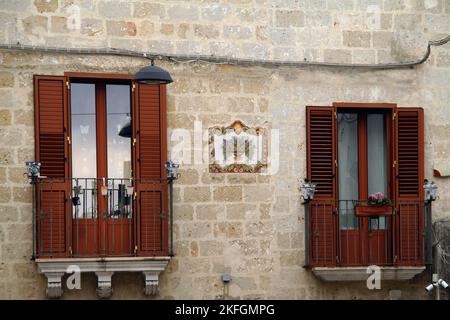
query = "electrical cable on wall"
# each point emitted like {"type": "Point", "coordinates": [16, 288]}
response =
{"type": "Point", "coordinates": [186, 58]}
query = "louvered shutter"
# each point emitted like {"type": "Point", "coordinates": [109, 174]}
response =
{"type": "Point", "coordinates": [51, 119]}
{"type": "Point", "coordinates": [149, 125]}
{"type": "Point", "coordinates": [320, 123]}
{"type": "Point", "coordinates": [409, 182]}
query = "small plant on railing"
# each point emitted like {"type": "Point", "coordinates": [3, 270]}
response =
{"type": "Point", "coordinates": [378, 199]}
{"type": "Point", "coordinates": [308, 189]}
{"type": "Point", "coordinates": [77, 190]}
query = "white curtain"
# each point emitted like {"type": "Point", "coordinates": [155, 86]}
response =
{"type": "Point", "coordinates": [348, 168]}
{"type": "Point", "coordinates": [376, 153]}
{"type": "Point", "coordinates": [377, 162]}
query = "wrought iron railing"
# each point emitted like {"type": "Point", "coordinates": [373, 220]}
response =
{"type": "Point", "coordinates": [90, 217]}
{"type": "Point", "coordinates": [337, 233]}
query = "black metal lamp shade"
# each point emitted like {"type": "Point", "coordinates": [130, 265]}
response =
{"type": "Point", "coordinates": [153, 75]}
{"type": "Point", "coordinates": [126, 130]}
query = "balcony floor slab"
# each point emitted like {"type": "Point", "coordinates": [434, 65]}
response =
{"type": "Point", "coordinates": [104, 268]}
{"type": "Point", "coordinates": [361, 273]}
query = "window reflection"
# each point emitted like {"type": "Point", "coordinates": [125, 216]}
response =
{"type": "Point", "coordinates": [348, 169]}
{"type": "Point", "coordinates": [84, 160]}
{"type": "Point", "coordinates": [118, 110]}
{"type": "Point", "coordinates": [118, 118]}
{"type": "Point", "coordinates": [84, 155]}
{"type": "Point", "coordinates": [117, 146]}
{"type": "Point", "coordinates": [376, 161]}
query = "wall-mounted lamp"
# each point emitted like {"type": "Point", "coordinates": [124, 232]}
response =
{"type": "Point", "coordinates": [172, 170]}
{"type": "Point", "coordinates": [308, 190]}
{"type": "Point", "coordinates": [33, 170]}
{"type": "Point", "coordinates": [153, 75]}
{"type": "Point", "coordinates": [430, 190]}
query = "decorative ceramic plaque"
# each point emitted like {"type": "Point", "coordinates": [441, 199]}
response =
{"type": "Point", "coordinates": [237, 149]}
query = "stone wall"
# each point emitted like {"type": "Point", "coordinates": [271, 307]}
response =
{"type": "Point", "coordinates": [248, 225]}
{"type": "Point", "coordinates": [358, 31]}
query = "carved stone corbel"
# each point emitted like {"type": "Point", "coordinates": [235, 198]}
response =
{"type": "Point", "coordinates": [54, 287]}
{"type": "Point", "coordinates": [104, 286]}
{"type": "Point", "coordinates": [54, 270]}
{"type": "Point", "coordinates": [151, 283]}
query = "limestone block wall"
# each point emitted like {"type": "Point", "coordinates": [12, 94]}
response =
{"type": "Point", "coordinates": [358, 31]}
{"type": "Point", "coordinates": [248, 225]}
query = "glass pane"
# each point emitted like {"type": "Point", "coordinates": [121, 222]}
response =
{"type": "Point", "coordinates": [118, 109]}
{"type": "Point", "coordinates": [84, 159]}
{"type": "Point", "coordinates": [84, 155]}
{"type": "Point", "coordinates": [348, 169]}
{"type": "Point", "coordinates": [377, 159]}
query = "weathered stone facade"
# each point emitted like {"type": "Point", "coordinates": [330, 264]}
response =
{"type": "Point", "coordinates": [248, 225]}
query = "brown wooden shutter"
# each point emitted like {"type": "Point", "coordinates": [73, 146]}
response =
{"type": "Point", "coordinates": [321, 156]}
{"type": "Point", "coordinates": [150, 149]}
{"type": "Point", "coordinates": [51, 121]}
{"type": "Point", "coordinates": [409, 181]}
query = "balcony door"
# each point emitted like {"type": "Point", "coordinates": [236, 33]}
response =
{"type": "Point", "coordinates": [364, 158]}
{"type": "Point", "coordinates": [101, 168]}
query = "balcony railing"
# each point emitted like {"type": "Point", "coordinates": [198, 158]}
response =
{"type": "Point", "coordinates": [336, 236]}
{"type": "Point", "coordinates": [90, 217]}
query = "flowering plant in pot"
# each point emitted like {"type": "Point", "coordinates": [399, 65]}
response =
{"type": "Point", "coordinates": [378, 199]}
{"type": "Point", "coordinates": [376, 205]}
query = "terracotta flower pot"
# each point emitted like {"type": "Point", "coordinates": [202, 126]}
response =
{"type": "Point", "coordinates": [368, 210]}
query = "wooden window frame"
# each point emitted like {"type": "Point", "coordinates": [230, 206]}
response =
{"type": "Point", "coordinates": [100, 81]}
{"type": "Point", "coordinates": [363, 109]}
{"type": "Point", "coordinates": [405, 164]}
{"type": "Point", "coordinates": [106, 76]}
{"type": "Point", "coordinates": [137, 105]}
